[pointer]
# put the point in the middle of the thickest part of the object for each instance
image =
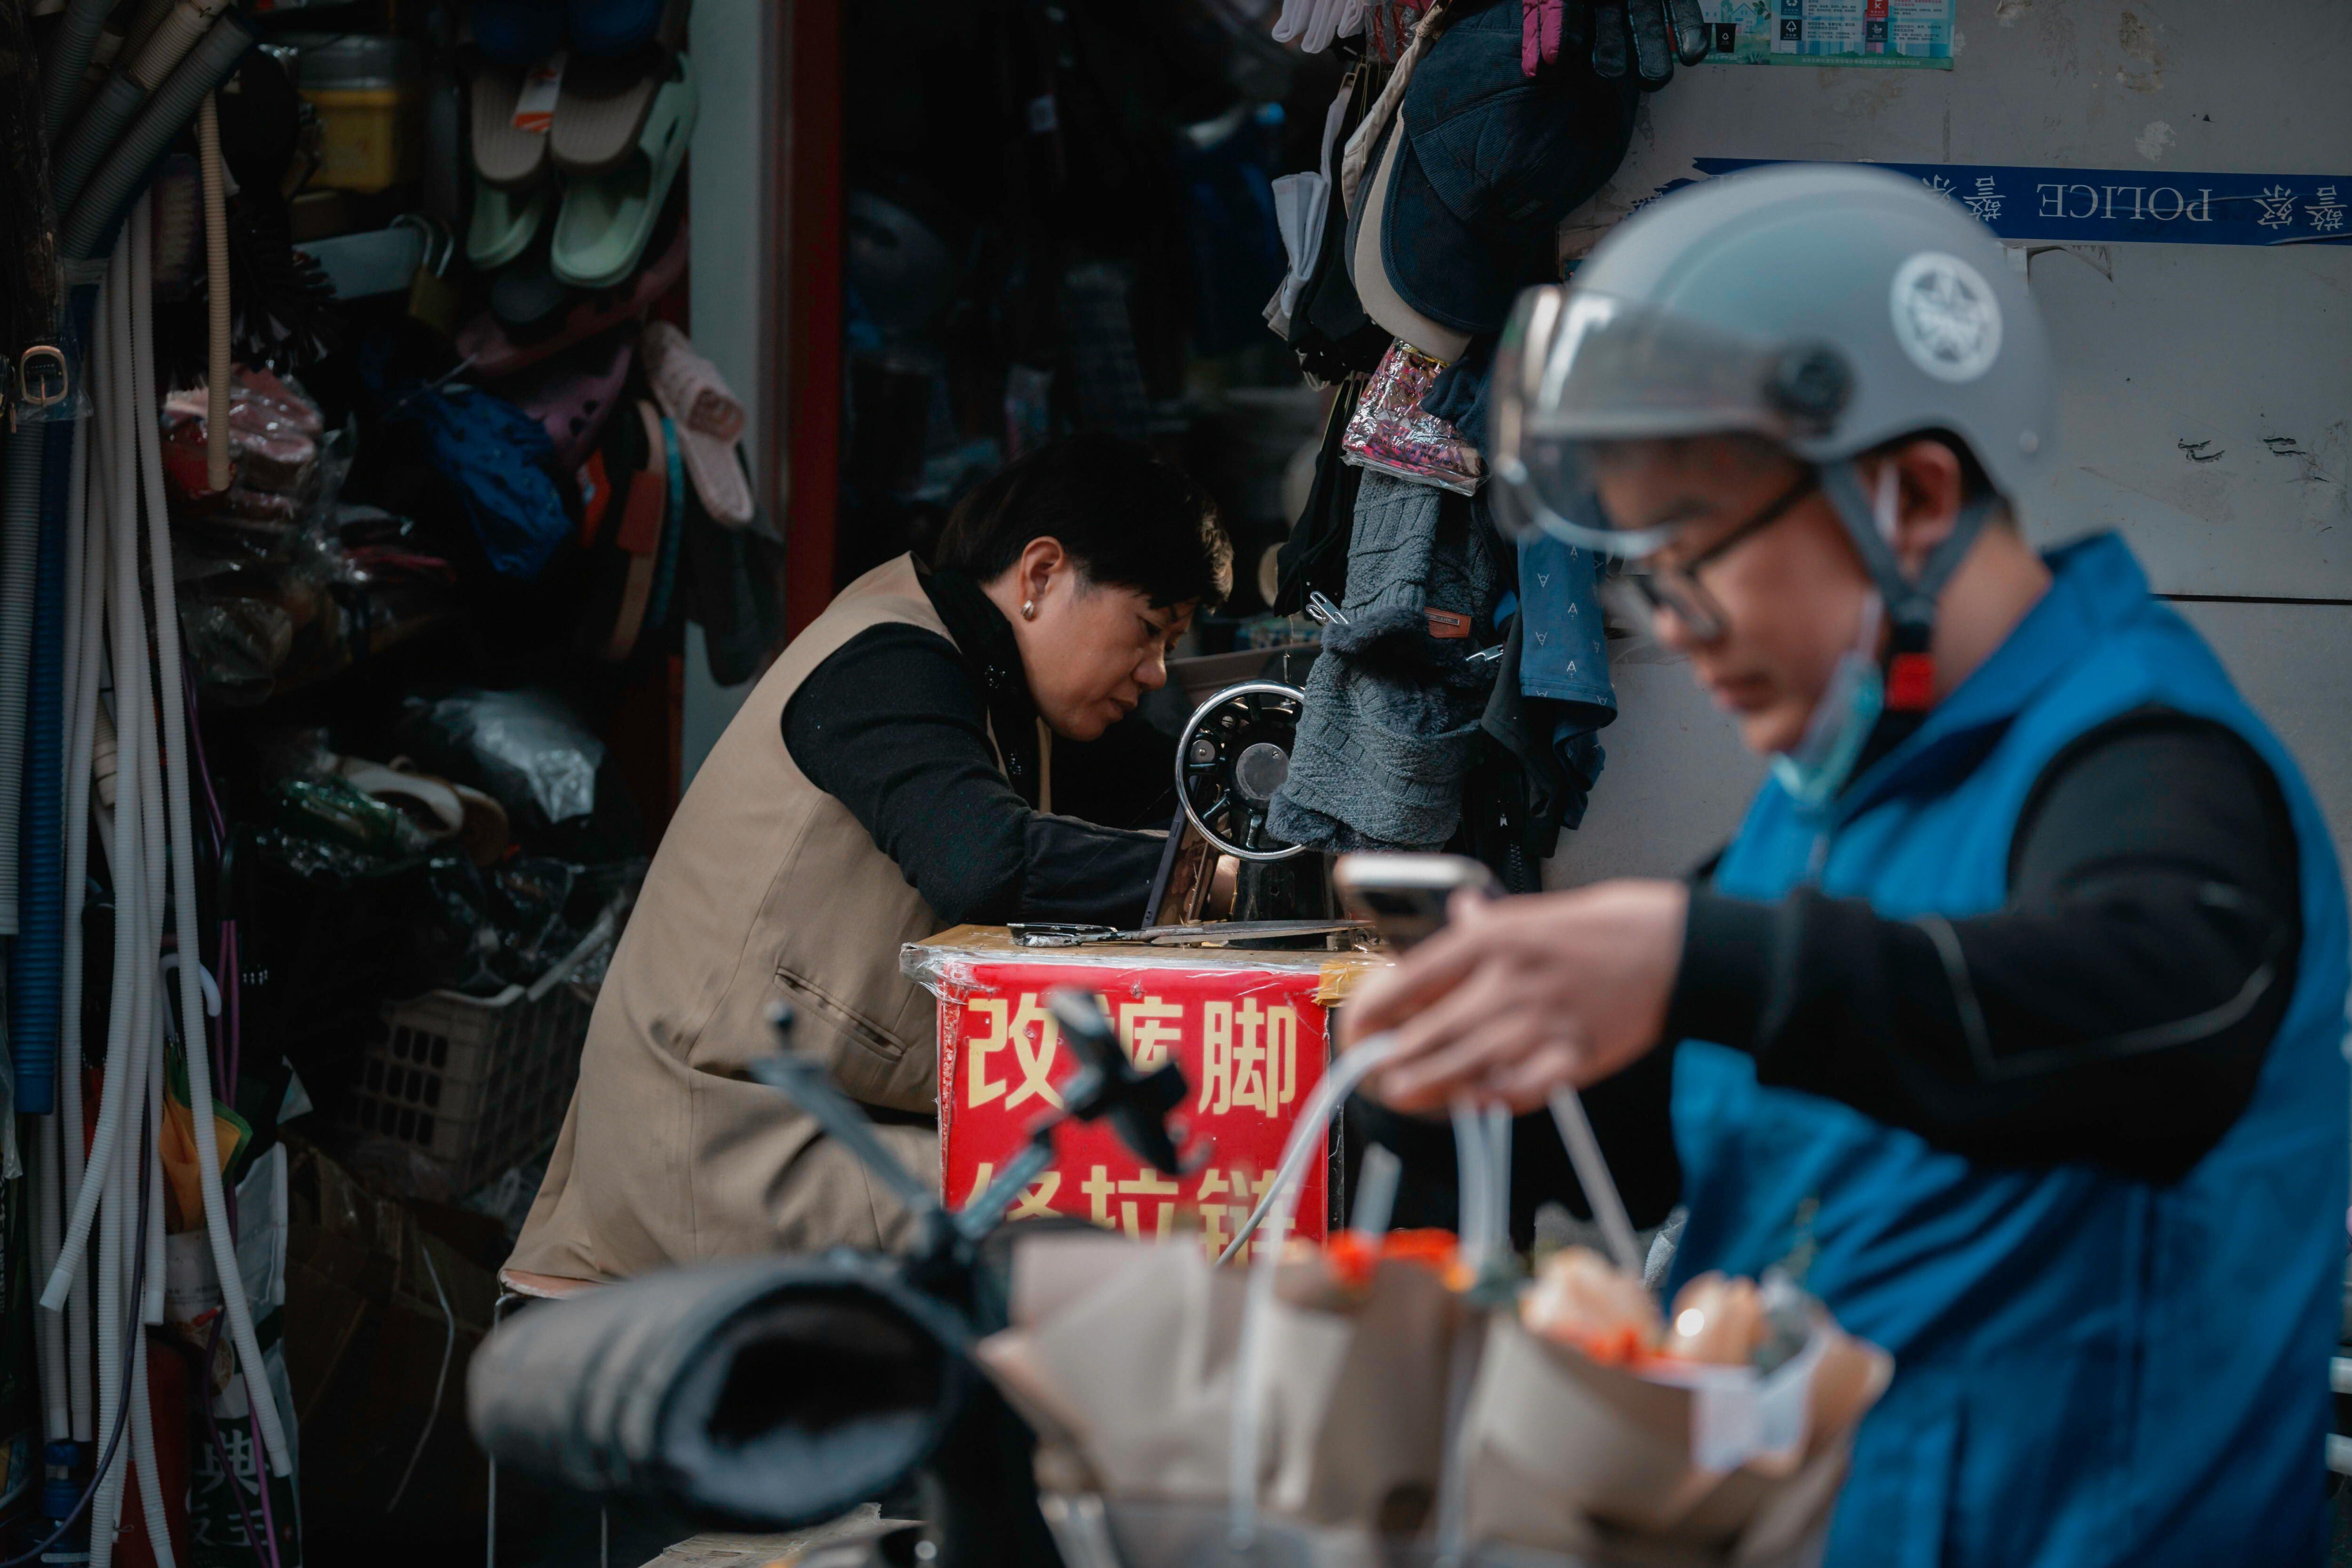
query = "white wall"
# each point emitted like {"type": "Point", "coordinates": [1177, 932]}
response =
{"type": "Point", "coordinates": [1676, 782]}
{"type": "Point", "coordinates": [729, 179]}
{"type": "Point", "coordinates": [1678, 779]}
{"type": "Point", "coordinates": [2158, 344]}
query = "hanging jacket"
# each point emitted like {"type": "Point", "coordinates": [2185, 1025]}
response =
{"type": "Point", "coordinates": [1541, 753]}
{"type": "Point", "coordinates": [2090, 1369]}
{"type": "Point", "coordinates": [1565, 654]}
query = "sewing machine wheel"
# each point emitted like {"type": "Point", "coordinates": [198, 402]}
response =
{"type": "Point", "coordinates": [1232, 756]}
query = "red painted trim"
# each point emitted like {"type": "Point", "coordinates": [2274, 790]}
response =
{"type": "Point", "coordinates": [809, 200]}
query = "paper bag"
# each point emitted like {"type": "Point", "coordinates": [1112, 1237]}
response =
{"type": "Point", "coordinates": [1136, 1375]}
{"type": "Point", "coordinates": [1359, 1378]}
{"type": "Point", "coordinates": [1566, 1455]}
{"type": "Point", "coordinates": [1053, 1268]}
{"type": "Point", "coordinates": [1132, 1384]}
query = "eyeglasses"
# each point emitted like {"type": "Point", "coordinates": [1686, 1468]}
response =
{"type": "Point", "coordinates": [1677, 588]}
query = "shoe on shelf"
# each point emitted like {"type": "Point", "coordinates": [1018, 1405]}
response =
{"type": "Point", "coordinates": [606, 219]}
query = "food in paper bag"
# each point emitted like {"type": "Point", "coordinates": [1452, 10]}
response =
{"type": "Point", "coordinates": [1717, 1320]}
{"type": "Point", "coordinates": [1130, 1381]}
{"type": "Point", "coordinates": [1722, 1433]}
{"type": "Point", "coordinates": [1351, 1258]}
{"type": "Point", "coordinates": [1580, 1299]}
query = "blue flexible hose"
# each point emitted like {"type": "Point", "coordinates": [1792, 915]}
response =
{"type": "Point", "coordinates": [20, 550]}
{"type": "Point", "coordinates": [80, 151]}
{"type": "Point", "coordinates": [37, 959]}
{"type": "Point", "coordinates": [92, 136]}
{"type": "Point", "coordinates": [89, 229]}
{"type": "Point", "coordinates": [70, 50]}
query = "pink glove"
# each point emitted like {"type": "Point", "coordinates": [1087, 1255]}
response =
{"type": "Point", "coordinates": [1539, 41]}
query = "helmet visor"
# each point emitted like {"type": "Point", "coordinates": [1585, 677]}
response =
{"type": "Point", "coordinates": [1577, 373]}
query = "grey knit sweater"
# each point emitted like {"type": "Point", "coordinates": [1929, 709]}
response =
{"type": "Point", "coordinates": [1385, 738]}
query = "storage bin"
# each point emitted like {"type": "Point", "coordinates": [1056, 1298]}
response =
{"type": "Point", "coordinates": [368, 92]}
{"type": "Point", "coordinates": [474, 1084]}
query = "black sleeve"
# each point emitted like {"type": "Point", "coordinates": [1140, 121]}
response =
{"type": "Point", "coordinates": [1127, 776]}
{"type": "Point", "coordinates": [892, 726]}
{"type": "Point", "coordinates": [2116, 1011]}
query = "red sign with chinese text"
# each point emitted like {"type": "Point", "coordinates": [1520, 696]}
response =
{"type": "Point", "coordinates": [1251, 1045]}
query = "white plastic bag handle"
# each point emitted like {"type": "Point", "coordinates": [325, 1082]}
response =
{"type": "Point", "coordinates": [1308, 1139]}
{"type": "Point", "coordinates": [1592, 1174]}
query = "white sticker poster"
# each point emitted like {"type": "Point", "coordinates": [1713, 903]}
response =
{"type": "Point", "coordinates": [1914, 32]}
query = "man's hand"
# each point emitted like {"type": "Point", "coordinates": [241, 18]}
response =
{"type": "Point", "coordinates": [1517, 997]}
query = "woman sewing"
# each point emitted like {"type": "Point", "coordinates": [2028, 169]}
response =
{"type": "Point", "coordinates": [889, 778]}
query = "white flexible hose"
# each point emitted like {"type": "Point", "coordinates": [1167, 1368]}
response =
{"type": "Point", "coordinates": [86, 649]}
{"type": "Point", "coordinates": [150, 1306]}
{"type": "Point", "coordinates": [130, 656]}
{"type": "Point", "coordinates": [113, 1149]}
{"type": "Point", "coordinates": [1340, 1081]}
{"type": "Point", "coordinates": [142, 1456]}
{"type": "Point", "coordinates": [122, 1225]}
{"type": "Point", "coordinates": [140, 1121]}
{"type": "Point", "coordinates": [173, 706]}
{"type": "Point", "coordinates": [143, 1410]}
{"type": "Point", "coordinates": [147, 1015]}
{"type": "Point", "coordinates": [148, 1010]}
{"type": "Point", "coordinates": [106, 1506]}
{"type": "Point", "coordinates": [146, 1005]}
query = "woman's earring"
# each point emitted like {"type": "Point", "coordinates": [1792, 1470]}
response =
{"type": "Point", "coordinates": [1028, 609]}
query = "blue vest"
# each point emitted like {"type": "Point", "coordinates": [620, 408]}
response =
{"type": "Point", "coordinates": [2089, 1370]}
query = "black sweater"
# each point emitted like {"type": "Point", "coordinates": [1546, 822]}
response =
{"type": "Point", "coordinates": [2116, 1011]}
{"type": "Point", "coordinates": [896, 725]}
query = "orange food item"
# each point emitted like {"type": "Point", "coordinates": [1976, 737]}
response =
{"type": "Point", "coordinates": [1580, 1299]}
{"type": "Point", "coordinates": [1353, 1255]}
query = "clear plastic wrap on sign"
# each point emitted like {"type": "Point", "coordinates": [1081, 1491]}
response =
{"type": "Point", "coordinates": [1390, 434]}
{"type": "Point", "coordinates": [1249, 1030]}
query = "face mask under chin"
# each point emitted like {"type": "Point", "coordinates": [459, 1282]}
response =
{"type": "Point", "coordinates": [1818, 766]}
{"type": "Point", "coordinates": [1814, 770]}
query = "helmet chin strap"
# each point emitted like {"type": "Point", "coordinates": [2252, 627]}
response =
{"type": "Point", "coordinates": [1910, 664]}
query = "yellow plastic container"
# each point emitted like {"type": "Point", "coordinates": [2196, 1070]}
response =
{"type": "Point", "coordinates": [371, 136]}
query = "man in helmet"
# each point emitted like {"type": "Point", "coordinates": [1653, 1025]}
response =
{"type": "Point", "coordinates": [2009, 1020]}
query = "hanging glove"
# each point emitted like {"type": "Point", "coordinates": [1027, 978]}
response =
{"type": "Point", "coordinates": [1315, 23]}
{"type": "Point", "coordinates": [1641, 38]}
{"type": "Point", "coordinates": [1664, 31]}
{"type": "Point", "coordinates": [1544, 22]}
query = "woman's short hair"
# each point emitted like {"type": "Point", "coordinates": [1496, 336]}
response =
{"type": "Point", "coordinates": [1129, 518]}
